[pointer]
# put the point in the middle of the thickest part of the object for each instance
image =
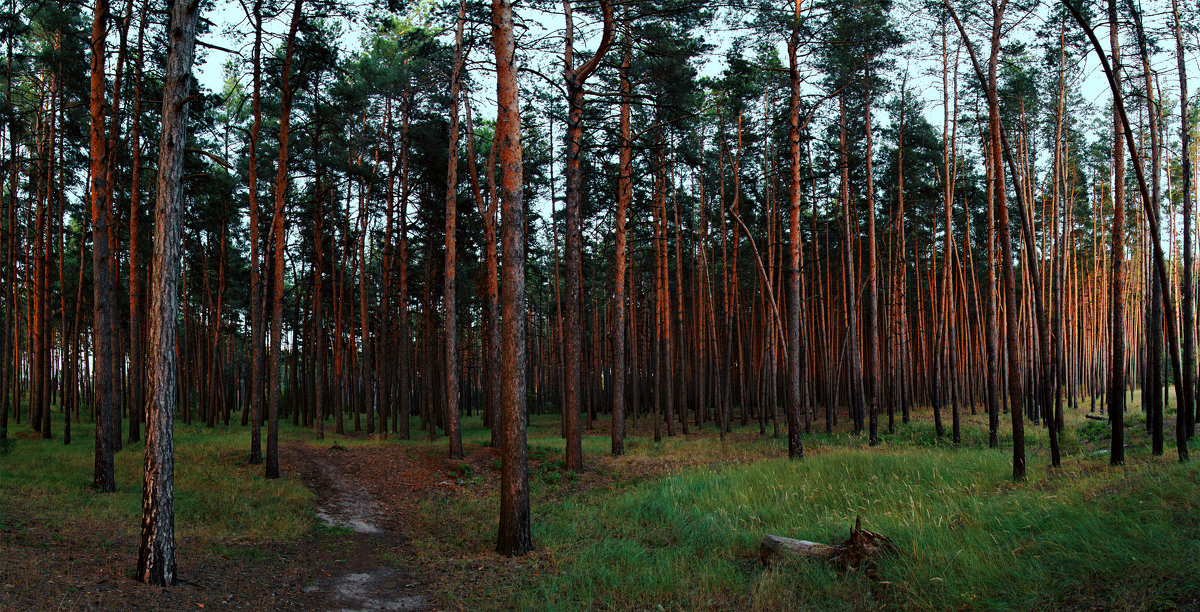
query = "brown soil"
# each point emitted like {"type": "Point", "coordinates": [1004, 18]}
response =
{"type": "Point", "coordinates": [374, 574]}
{"type": "Point", "coordinates": [84, 566]}
{"type": "Point", "coordinates": [359, 562]}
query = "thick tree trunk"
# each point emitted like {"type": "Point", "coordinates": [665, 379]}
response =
{"type": "Point", "coordinates": [156, 557]}
{"type": "Point", "coordinates": [514, 537]}
{"type": "Point", "coordinates": [103, 477]}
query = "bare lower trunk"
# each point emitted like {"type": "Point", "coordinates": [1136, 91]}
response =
{"type": "Point", "coordinates": [156, 557]}
{"type": "Point", "coordinates": [572, 324]}
{"type": "Point", "coordinates": [514, 537]}
{"type": "Point", "coordinates": [794, 355]}
{"type": "Point", "coordinates": [1184, 413]}
{"type": "Point", "coordinates": [1116, 285]}
{"type": "Point", "coordinates": [103, 478]}
{"type": "Point", "coordinates": [256, 289]}
{"type": "Point", "coordinates": [280, 238]}
{"type": "Point", "coordinates": [624, 197]}
{"type": "Point", "coordinates": [449, 289]}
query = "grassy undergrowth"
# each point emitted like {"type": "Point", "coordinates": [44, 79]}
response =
{"type": "Point", "coordinates": [968, 537]}
{"type": "Point", "coordinates": [220, 500]}
{"type": "Point", "coordinates": [677, 523]}
{"type": "Point", "coordinates": [1086, 535]}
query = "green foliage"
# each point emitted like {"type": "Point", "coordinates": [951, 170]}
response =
{"type": "Point", "coordinates": [466, 471]}
{"type": "Point", "coordinates": [1094, 431]}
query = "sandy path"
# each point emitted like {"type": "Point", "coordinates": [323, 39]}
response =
{"type": "Point", "coordinates": [365, 581]}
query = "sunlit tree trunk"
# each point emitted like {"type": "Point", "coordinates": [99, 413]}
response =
{"type": "Point", "coordinates": [514, 536]}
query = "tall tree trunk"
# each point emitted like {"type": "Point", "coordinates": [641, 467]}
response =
{"type": "Point", "coordinates": [575, 79]}
{"type": "Point", "coordinates": [256, 288]}
{"type": "Point", "coordinates": [998, 143]}
{"type": "Point", "coordinates": [514, 537]}
{"type": "Point", "coordinates": [849, 233]}
{"type": "Point", "coordinates": [900, 321]}
{"type": "Point", "coordinates": [103, 477]}
{"type": "Point", "coordinates": [8, 361]}
{"type": "Point", "coordinates": [402, 331]}
{"type": "Point", "coordinates": [870, 302]}
{"type": "Point", "coordinates": [1113, 74]}
{"type": "Point", "coordinates": [490, 338]}
{"type": "Point", "coordinates": [624, 197]}
{"type": "Point", "coordinates": [156, 557]}
{"type": "Point", "coordinates": [450, 317]}
{"type": "Point", "coordinates": [794, 355]}
{"type": "Point", "coordinates": [1152, 388]}
{"type": "Point", "coordinates": [1116, 286]}
{"type": "Point", "coordinates": [1184, 410]}
{"type": "Point", "coordinates": [280, 239]}
{"type": "Point", "coordinates": [1062, 202]}
{"type": "Point", "coordinates": [318, 320]}
{"type": "Point", "coordinates": [137, 404]}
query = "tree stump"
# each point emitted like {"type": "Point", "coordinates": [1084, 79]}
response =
{"type": "Point", "coordinates": [860, 550]}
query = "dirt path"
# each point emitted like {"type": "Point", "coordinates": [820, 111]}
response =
{"type": "Point", "coordinates": [362, 572]}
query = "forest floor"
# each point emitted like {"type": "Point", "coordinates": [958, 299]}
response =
{"type": "Point", "coordinates": [366, 576]}
{"type": "Point", "coordinates": [363, 523]}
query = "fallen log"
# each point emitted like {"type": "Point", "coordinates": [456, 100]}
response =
{"type": "Point", "coordinates": [860, 550]}
{"type": "Point", "coordinates": [1096, 417]}
{"type": "Point", "coordinates": [778, 545]}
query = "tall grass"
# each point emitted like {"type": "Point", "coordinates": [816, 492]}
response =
{"type": "Point", "coordinates": [967, 536]}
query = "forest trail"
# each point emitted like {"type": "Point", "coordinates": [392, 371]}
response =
{"type": "Point", "coordinates": [365, 576]}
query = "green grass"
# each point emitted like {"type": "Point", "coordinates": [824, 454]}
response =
{"type": "Point", "coordinates": [1081, 536]}
{"type": "Point", "coordinates": [633, 534]}
{"type": "Point", "coordinates": [220, 500]}
{"type": "Point", "coordinates": [967, 536]}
